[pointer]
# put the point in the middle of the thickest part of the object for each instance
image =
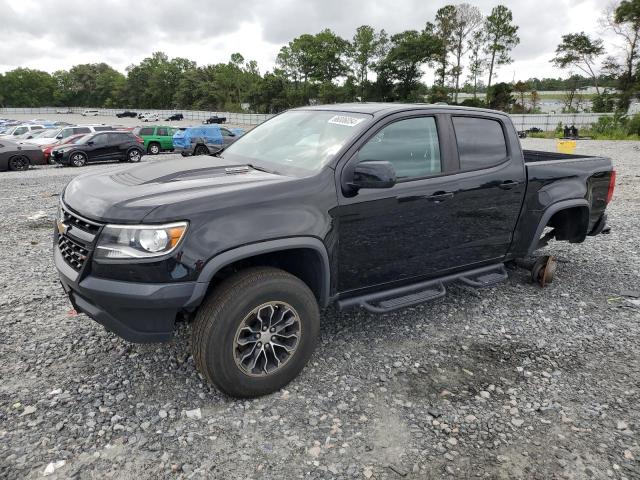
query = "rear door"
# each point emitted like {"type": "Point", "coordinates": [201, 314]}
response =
{"type": "Point", "coordinates": [164, 138]}
{"type": "Point", "coordinates": [489, 189]}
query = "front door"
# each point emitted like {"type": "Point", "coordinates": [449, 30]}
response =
{"type": "Point", "coordinates": [99, 149]}
{"type": "Point", "coordinates": [394, 234]}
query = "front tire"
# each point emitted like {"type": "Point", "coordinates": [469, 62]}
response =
{"type": "Point", "coordinates": [78, 159]}
{"type": "Point", "coordinates": [255, 332]}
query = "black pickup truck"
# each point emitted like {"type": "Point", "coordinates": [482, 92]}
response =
{"type": "Point", "coordinates": [371, 205]}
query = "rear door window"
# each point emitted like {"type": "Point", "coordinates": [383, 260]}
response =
{"type": "Point", "coordinates": [481, 142]}
{"type": "Point", "coordinates": [102, 129]}
{"type": "Point", "coordinates": [162, 132]}
{"type": "Point", "coordinates": [80, 130]}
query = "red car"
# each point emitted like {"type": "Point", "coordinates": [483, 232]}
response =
{"type": "Point", "coordinates": [46, 149]}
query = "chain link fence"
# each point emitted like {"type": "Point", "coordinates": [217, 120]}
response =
{"type": "Point", "coordinates": [546, 122]}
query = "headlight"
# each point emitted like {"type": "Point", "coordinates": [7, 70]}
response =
{"type": "Point", "coordinates": [139, 241]}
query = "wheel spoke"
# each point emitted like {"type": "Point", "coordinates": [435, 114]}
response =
{"type": "Point", "coordinates": [281, 314]}
{"type": "Point", "coordinates": [290, 321]}
{"type": "Point", "coordinates": [265, 322]}
{"type": "Point", "coordinates": [275, 343]}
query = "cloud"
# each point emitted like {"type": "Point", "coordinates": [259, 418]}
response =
{"type": "Point", "coordinates": [53, 35]}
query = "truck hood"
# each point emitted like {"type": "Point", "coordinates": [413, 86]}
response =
{"type": "Point", "coordinates": [129, 194]}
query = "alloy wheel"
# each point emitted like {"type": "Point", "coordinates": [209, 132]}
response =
{"type": "Point", "coordinates": [267, 338]}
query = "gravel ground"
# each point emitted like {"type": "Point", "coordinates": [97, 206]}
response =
{"type": "Point", "coordinates": [513, 382]}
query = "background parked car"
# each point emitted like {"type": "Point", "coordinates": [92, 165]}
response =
{"type": "Point", "coordinates": [127, 113]}
{"type": "Point", "coordinates": [64, 111]}
{"type": "Point", "coordinates": [156, 139]}
{"type": "Point", "coordinates": [215, 119]}
{"type": "Point", "coordinates": [46, 149]}
{"type": "Point", "coordinates": [21, 129]}
{"type": "Point", "coordinates": [18, 157]}
{"type": "Point", "coordinates": [68, 131]}
{"type": "Point", "coordinates": [99, 147]}
{"type": "Point", "coordinates": [149, 117]}
{"type": "Point", "coordinates": [175, 116]}
{"type": "Point", "coordinates": [204, 139]}
{"type": "Point", "coordinates": [90, 113]}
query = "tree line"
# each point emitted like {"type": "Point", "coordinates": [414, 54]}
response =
{"type": "Point", "coordinates": [463, 47]}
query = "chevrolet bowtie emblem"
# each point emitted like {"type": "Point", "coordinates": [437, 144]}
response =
{"type": "Point", "coordinates": [62, 228]}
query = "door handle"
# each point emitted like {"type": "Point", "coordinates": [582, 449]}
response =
{"type": "Point", "coordinates": [439, 197]}
{"type": "Point", "coordinates": [508, 185]}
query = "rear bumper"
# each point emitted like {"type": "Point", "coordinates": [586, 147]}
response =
{"type": "Point", "coordinates": [600, 226]}
{"type": "Point", "coordinates": [137, 312]}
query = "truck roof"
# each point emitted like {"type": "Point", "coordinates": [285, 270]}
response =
{"type": "Point", "coordinates": [378, 108]}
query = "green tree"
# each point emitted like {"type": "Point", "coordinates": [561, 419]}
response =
{"type": "Point", "coordinates": [623, 19]}
{"type": "Point", "coordinates": [521, 88]}
{"type": "Point", "coordinates": [367, 48]}
{"type": "Point", "coordinates": [501, 38]}
{"type": "Point", "coordinates": [477, 62]}
{"type": "Point", "coordinates": [500, 96]}
{"type": "Point", "coordinates": [580, 51]}
{"type": "Point", "coordinates": [467, 21]}
{"type": "Point", "coordinates": [25, 87]}
{"type": "Point", "coordinates": [408, 52]}
{"type": "Point", "coordinates": [445, 25]}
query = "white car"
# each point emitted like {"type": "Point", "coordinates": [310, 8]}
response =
{"type": "Point", "coordinates": [61, 133]}
{"type": "Point", "coordinates": [149, 117]}
{"type": "Point", "coordinates": [90, 113]}
{"type": "Point", "coordinates": [20, 130]}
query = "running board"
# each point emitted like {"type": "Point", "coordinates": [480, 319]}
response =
{"type": "Point", "coordinates": [410, 295]}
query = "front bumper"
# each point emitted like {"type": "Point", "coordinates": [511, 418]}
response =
{"type": "Point", "coordinates": [137, 312]}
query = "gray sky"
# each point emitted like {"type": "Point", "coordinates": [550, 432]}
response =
{"type": "Point", "coordinates": [57, 34]}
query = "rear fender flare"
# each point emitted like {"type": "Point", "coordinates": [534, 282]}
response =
{"type": "Point", "coordinates": [228, 257]}
{"type": "Point", "coordinates": [550, 212]}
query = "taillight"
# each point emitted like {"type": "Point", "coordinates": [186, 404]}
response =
{"type": "Point", "coordinates": [612, 185]}
{"type": "Point", "coordinates": [139, 139]}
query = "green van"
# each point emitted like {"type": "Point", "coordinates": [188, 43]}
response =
{"type": "Point", "coordinates": [157, 138]}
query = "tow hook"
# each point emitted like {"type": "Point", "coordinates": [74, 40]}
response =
{"type": "Point", "coordinates": [542, 268]}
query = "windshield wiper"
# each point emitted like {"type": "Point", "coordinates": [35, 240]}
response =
{"type": "Point", "coordinates": [262, 169]}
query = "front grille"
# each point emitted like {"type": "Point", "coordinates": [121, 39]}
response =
{"type": "Point", "coordinates": [72, 252]}
{"type": "Point", "coordinates": [75, 221]}
{"type": "Point", "coordinates": [77, 242]}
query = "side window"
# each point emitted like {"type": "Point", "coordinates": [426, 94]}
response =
{"type": "Point", "coordinates": [81, 130]}
{"type": "Point", "coordinates": [411, 146]}
{"type": "Point", "coordinates": [226, 133]}
{"type": "Point", "coordinates": [116, 138]}
{"type": "Point", "coordinates": [102, 129]}
{"type": "Point", "coordinates": [146, 131]}
{"type": "Point", "coordinates": [37, 127]}
{"type": "Point", "coordinates": [100, 139]}
{"type": "Point", "coordinates": [20, 130]}
{"type": "Point", "coordinates": [481, 142]}
{"type": "Point", "coordinates": [162, 131]}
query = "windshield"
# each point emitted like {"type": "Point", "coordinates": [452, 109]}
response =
{"type": "Point", "coordinates": [49, 133]}
{"type": "Point", "coordinates": [298, 142]}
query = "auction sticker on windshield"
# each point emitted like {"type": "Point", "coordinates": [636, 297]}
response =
{"type": "Point", "coordinates": [345, 120]}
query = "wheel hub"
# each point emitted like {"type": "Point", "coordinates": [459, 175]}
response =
{"type": "Point", "coordinates": [267, 338]}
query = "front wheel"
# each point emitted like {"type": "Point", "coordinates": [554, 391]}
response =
{"type": "Point", "coordinates": [78, 159]}
{"type": "Point", "coordinates": [255, 332]}
{"type": "Point", "coordinates": [18, 163]}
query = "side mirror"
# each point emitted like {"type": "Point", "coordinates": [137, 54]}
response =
{"type": "Point", "coordinates": [373, 174]}
{"type": "Point", "coordinates": [59, 137]}
{"type": "Point", "coordinates": [90, 142]}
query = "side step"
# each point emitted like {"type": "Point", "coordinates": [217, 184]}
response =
{"type": "Point", "coordinates": [487, 279]}
{"type": "Point", "coordinates": [409, 295]}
